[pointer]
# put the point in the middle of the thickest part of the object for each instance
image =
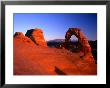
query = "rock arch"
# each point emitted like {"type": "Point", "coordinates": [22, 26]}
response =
{"type": "Point", "coordinates": [83, 43]}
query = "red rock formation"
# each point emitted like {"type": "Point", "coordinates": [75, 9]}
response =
{"type": "Point", "coordinates": [36, 35]}
{"type": "Point", "coordinates": [20, 36]}
{"type": "Point", "coordinates": [83, 43]}
{"type": "Point", "coordinates": [30, 59]}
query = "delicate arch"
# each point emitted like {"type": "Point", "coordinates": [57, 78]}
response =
{"type": "Point", "coordinates": [83, 43]}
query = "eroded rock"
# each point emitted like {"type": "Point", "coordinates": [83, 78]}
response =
{"type": "Point", "coordinates": [20, 36]}
{"type": "Point", "coordinates": [36, 35]}
{"type": "Point", "coordinates": [83, 43]}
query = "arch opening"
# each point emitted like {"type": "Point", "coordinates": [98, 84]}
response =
{"type": "Point", "coordinates": [72, 44]}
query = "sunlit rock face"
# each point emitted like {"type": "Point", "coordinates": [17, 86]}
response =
{"type": "Point", "coordinates": [20, 37]}
{"type": "Point", "coordinates": [36, 35]}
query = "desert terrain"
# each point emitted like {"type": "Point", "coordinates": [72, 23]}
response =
{"type": "Point", "coordinates": [32, 56]}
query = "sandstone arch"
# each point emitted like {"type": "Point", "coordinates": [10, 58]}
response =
{"type": "Point", "coordinates": [83, 43]}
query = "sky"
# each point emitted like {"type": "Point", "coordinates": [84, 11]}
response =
{"type": "Point", "coordinates": [55, 25]}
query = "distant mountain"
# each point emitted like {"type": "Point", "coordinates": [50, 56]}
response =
{"type": "Point", "coordinates": [57, 40]}
{"type": "Point", "coordinates": [62, 40]}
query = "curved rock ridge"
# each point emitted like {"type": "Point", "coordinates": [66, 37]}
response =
{"type": "Point", "coordinates": [36, 35]}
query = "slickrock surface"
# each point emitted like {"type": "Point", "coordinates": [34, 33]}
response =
{"type": "Point", "coordinates": [30, 59]}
